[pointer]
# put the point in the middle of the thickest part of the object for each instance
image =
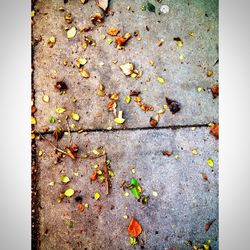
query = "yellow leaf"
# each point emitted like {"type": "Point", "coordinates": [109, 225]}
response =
{"type": "Point", "coordinates": [97, 196]}
{"type": "Point", "coordinates": [40, 153]}
{"type": "Point", "coordinates": [179, 43]}
{"type": "Point", "coordinates": [69, 192]}
{"type": "Point", "coordinates": [64, 179]}
{"type": "Point", "coordinates": [210, 163]}
{"type": "Point", "coordinates": [95, 152]}
{"type": "Point", "coordinates": [75, 116]}
{"type": "Point", "coordinates": [60, 110]}
{"type": "Point", "coordinates": [127, 99]}
{"type": "Point", "coordinates": [33, 120]}
{"type": "Point", "coordinates": [160, 80]}
{"type": "Point", "coordinates": [194, 152]}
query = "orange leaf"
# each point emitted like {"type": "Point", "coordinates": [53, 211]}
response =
{"type": "Point", "coordinates": [134, 228]}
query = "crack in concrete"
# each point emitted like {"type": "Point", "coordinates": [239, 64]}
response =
{"type": "Point", "coordinates": [173, 127]}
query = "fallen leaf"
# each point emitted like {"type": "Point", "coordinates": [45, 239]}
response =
{"type": "Point", "coordinates": [160, 80]}
{"type": "Point", "coordinates": [119, 119]}
{"type": "Point", "coordinates": [64, 179]}
{"type": "Point", "coordinates": [75, 116]}
{"type": "Point", "coordinates": [80, 207]}
{"type": "Point", "coordinates": [134, 93]}
{"type": "Point", "coordinates": [70, 154]}
{"type": "Point", "coordinates": [33, 120]}
{"type": "Point", "coordinates": [60, 110]}
{"type": "Point", "coordinates": [121, 40]}
{"type": "Point", "coordinates": [173, 105]}
{"type": "Point", "coordinates": [69, 192]}
{"type": "Point", "coordinates": [178, 41]}
{"type": "Point", "coordinates": [204, 176]}
{"type": "Point", "coordinates": [68, 18]}
{"type": "Point", "coordinates": [51, 41]}
{"type": "Point", "coordinates": [208, 225]}
{"type": "Point", "coordinates": [168, 153]}
{"type": "Point", "coordinates": [96, 18]}
{"type": "Point", "coordinates": [45, 98]}
{"type": "Point", "coordinates": [214, 130]}
{"type": "Point", "coordinates": [153, 122]}
{"type": "Point", "coordinates": [160, 42]}
{"type": "Point", "coordinates": [135, 188]}
{"type": "Point", "coordinates": [58, 134]}
{"type": "Point", "coordinates": [81, 62]}
{"type": "Point", "coordinates": [150, 7]}
{"type": "Point", "coordinates": [74, 148]}
{"type": "Point", "coordinates": [145, 107]}
{"type": "Point", "coordinates": [113, 31]}
{"type": "Point", "coordinates": [61, 86]}
{"type": "Point", "coordinates": [93, 177]}
{"type": "Point", "coordinates": [210, 163]}
{"type": "Point", "coordinates": [84, 73]}
{"type": "Point", "coordinates": [215, 90]}
{"type": "Point", "coordinates": [52, 119]}
{"type": "Point", "coordinates": [127, 99]}
{"type": "Point", "coordinates": [71, 33]}
{"type": "Point", "coordinates": [97, 196]}
{"type": "Point", "coordinates": [103, 4]}
{"type": "Point", "coordinates": [133, 241]}
{"type": "Point", "coordinates": [134, 228]}
{"type": "Point", "coordinates": [210, 73]}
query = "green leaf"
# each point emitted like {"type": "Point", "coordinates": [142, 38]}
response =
{"type": "Point", "coordinates": [150, 7]}
{"type": "Point", "coordinates": [136, 188]}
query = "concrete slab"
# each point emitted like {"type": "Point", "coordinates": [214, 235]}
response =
{"type": "Point", "coordinates": [183, 77]}
{"type": "Point", "coordinates": [185, 201]}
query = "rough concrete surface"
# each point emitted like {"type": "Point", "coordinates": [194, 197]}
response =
{"type": "Point", "coordinates": [183, 77]}
{"type": "Point", "coordinates": [185, 202]}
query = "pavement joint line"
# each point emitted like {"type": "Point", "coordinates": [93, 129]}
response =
{"type": "Point", "coordinates": [173, 127]}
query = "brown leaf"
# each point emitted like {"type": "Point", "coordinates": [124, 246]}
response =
{"type": "Point", "coordinates": [70, 154]}
{"type": "Point", "coordinates": [103, 4]}
{"type": "Point", "coordinates": [96, 18]}
{"type": "Point", "coordinates": [93, 177]}
{"type": "Point", "coordinates": [214, 130]}
{"type": "Point", "coordinates": [153, 122]}
{"type": "Point", "coordinates": [33, 109]}
{"type": "Point", "coordinates": [215, 90]}
{"type": "Point", "coordinates": [168, 153]}
{"type": "Point", "coordinates": [134, 93]}
{"type": "Point", "coordinates": [208, 225]}
{"type": "Point", "coordinates": [204, 176]}
{"type": "Point", "coordinates": [74, 148]}
{"type": "Point", "coordinates": [58, 133]}
{"type": "Point", "coordinates": [61, 86]}
{"type": "Point", "coordinates": [121, 40]}
{"type": "Point", "coordinates": [174, 106]}
{"type": "Point", "coordinates": [145, 107]}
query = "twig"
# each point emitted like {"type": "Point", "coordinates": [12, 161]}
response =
{"type": "Point", "coordinates": [106, 175]}
{"type": "Point", "coordinates": [58, 149]}
{"type": "Point", "coordinates": [68, 131]}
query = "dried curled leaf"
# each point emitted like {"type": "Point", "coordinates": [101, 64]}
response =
{"type": "Point", "coordinates": [134, 93]}
{"type": "Point", "coordinates": [61, 86]}
{"type": "Point", "coordinates": [145, 107]}
{"type": "Point", "coordinates": [113, 31]}
{"type": "Point", "coordinates": [121, 40]}
{"type": "Point", "coordinates": [215, 90]}
{"type": "Point", "coordinates": [173, 105]}
{"type": "Point", "coordinates": [127, 68]}
{"type": "Point", "coordinates": [71, 33]}
{"type": "Point", "coordinates": [68, 18]}
{"type": "Point", "coordinates": [84, 73]}
{"type": "Point", "coordinates": [96, 18]}
{"type": "Point", "coordinates": [178, 41]}
{"type": "Point", "coordinates": [208, 225]}
{"type": "Point", "coordinates": [134, 228]}
{"type": "Point", "coordinates": [58, 134]}
{"type": "Point", "coordinates": [103, 4]}
{"type": "Point", "coordinates": [89, 40]}
{"type": "Point", "coordinates": [215, 130]}
{"type": "Point", "coordinates": [168, 153]}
